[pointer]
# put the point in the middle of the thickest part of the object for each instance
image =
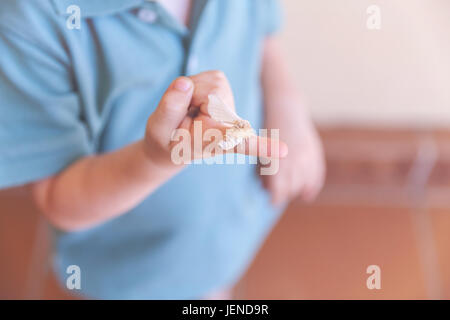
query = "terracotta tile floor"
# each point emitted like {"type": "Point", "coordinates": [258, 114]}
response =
{"type": "Point", "coordinates": [323, 253]}
{"type": "Point", "coordinates": [441, 226]}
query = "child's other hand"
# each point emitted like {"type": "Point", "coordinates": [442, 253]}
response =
{"type": "Point", "coordinates": [302, 173]}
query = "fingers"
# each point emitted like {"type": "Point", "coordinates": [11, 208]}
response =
{"type": "Point", "coordinates": [253, 146]}
{"type": "Point", "coordinates": [296, 183]}
{"type": "Point", "coordinates": [172, 109]}
{"type": "Point", "coordinates": [316, 181]}
{"type": "Point", "coordinates": [279, 191]}
{"type": "Point", "coordinates": [281, 187]}
{"type": "Point", "coordinates": [305, 181]}
{"type": "Point", "coordinates": [263, 147]}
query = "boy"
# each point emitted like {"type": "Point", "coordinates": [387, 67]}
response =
{"type": "Point", "coordinates": [86, 121]}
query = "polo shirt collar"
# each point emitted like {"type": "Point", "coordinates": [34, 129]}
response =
{"type": "Point", "coordinates": [91, 8]}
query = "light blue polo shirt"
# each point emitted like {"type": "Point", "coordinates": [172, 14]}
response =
{"type": "Point", "coordinates": [67, 93]}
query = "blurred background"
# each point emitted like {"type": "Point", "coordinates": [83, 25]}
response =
{"type": "Point", "coordinates": [381, 99]}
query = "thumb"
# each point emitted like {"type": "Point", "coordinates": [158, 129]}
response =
{"type": "Point", "coordinates": [172, 109]}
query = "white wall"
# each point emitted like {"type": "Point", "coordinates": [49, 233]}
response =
{"type": "Point", "coordinates": [398, 76]}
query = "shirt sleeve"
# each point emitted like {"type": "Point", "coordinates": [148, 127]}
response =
{"type": "Point", "coordinates": [272, 15]}
{"type": "Point", "coordinates": [41, 131]}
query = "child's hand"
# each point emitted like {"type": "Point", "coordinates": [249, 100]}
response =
{"type": "Point", "coordinates": [302, 172]}
{"type": "Point", "coordinates": [184, 102]}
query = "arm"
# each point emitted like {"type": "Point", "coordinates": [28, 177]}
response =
{"type": "Point", "coordinates": [302, 172]}
{"type": "Point", "coordinates": [98, 188]}
{"type": "Point", "coordinates": [281, 95]}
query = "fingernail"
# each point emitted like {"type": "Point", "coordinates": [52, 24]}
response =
{"type": "Point", "coordinates": [182, 84]}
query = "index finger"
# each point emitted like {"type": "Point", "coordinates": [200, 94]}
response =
{"type": "Point", "coordinates": [264, 147]}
